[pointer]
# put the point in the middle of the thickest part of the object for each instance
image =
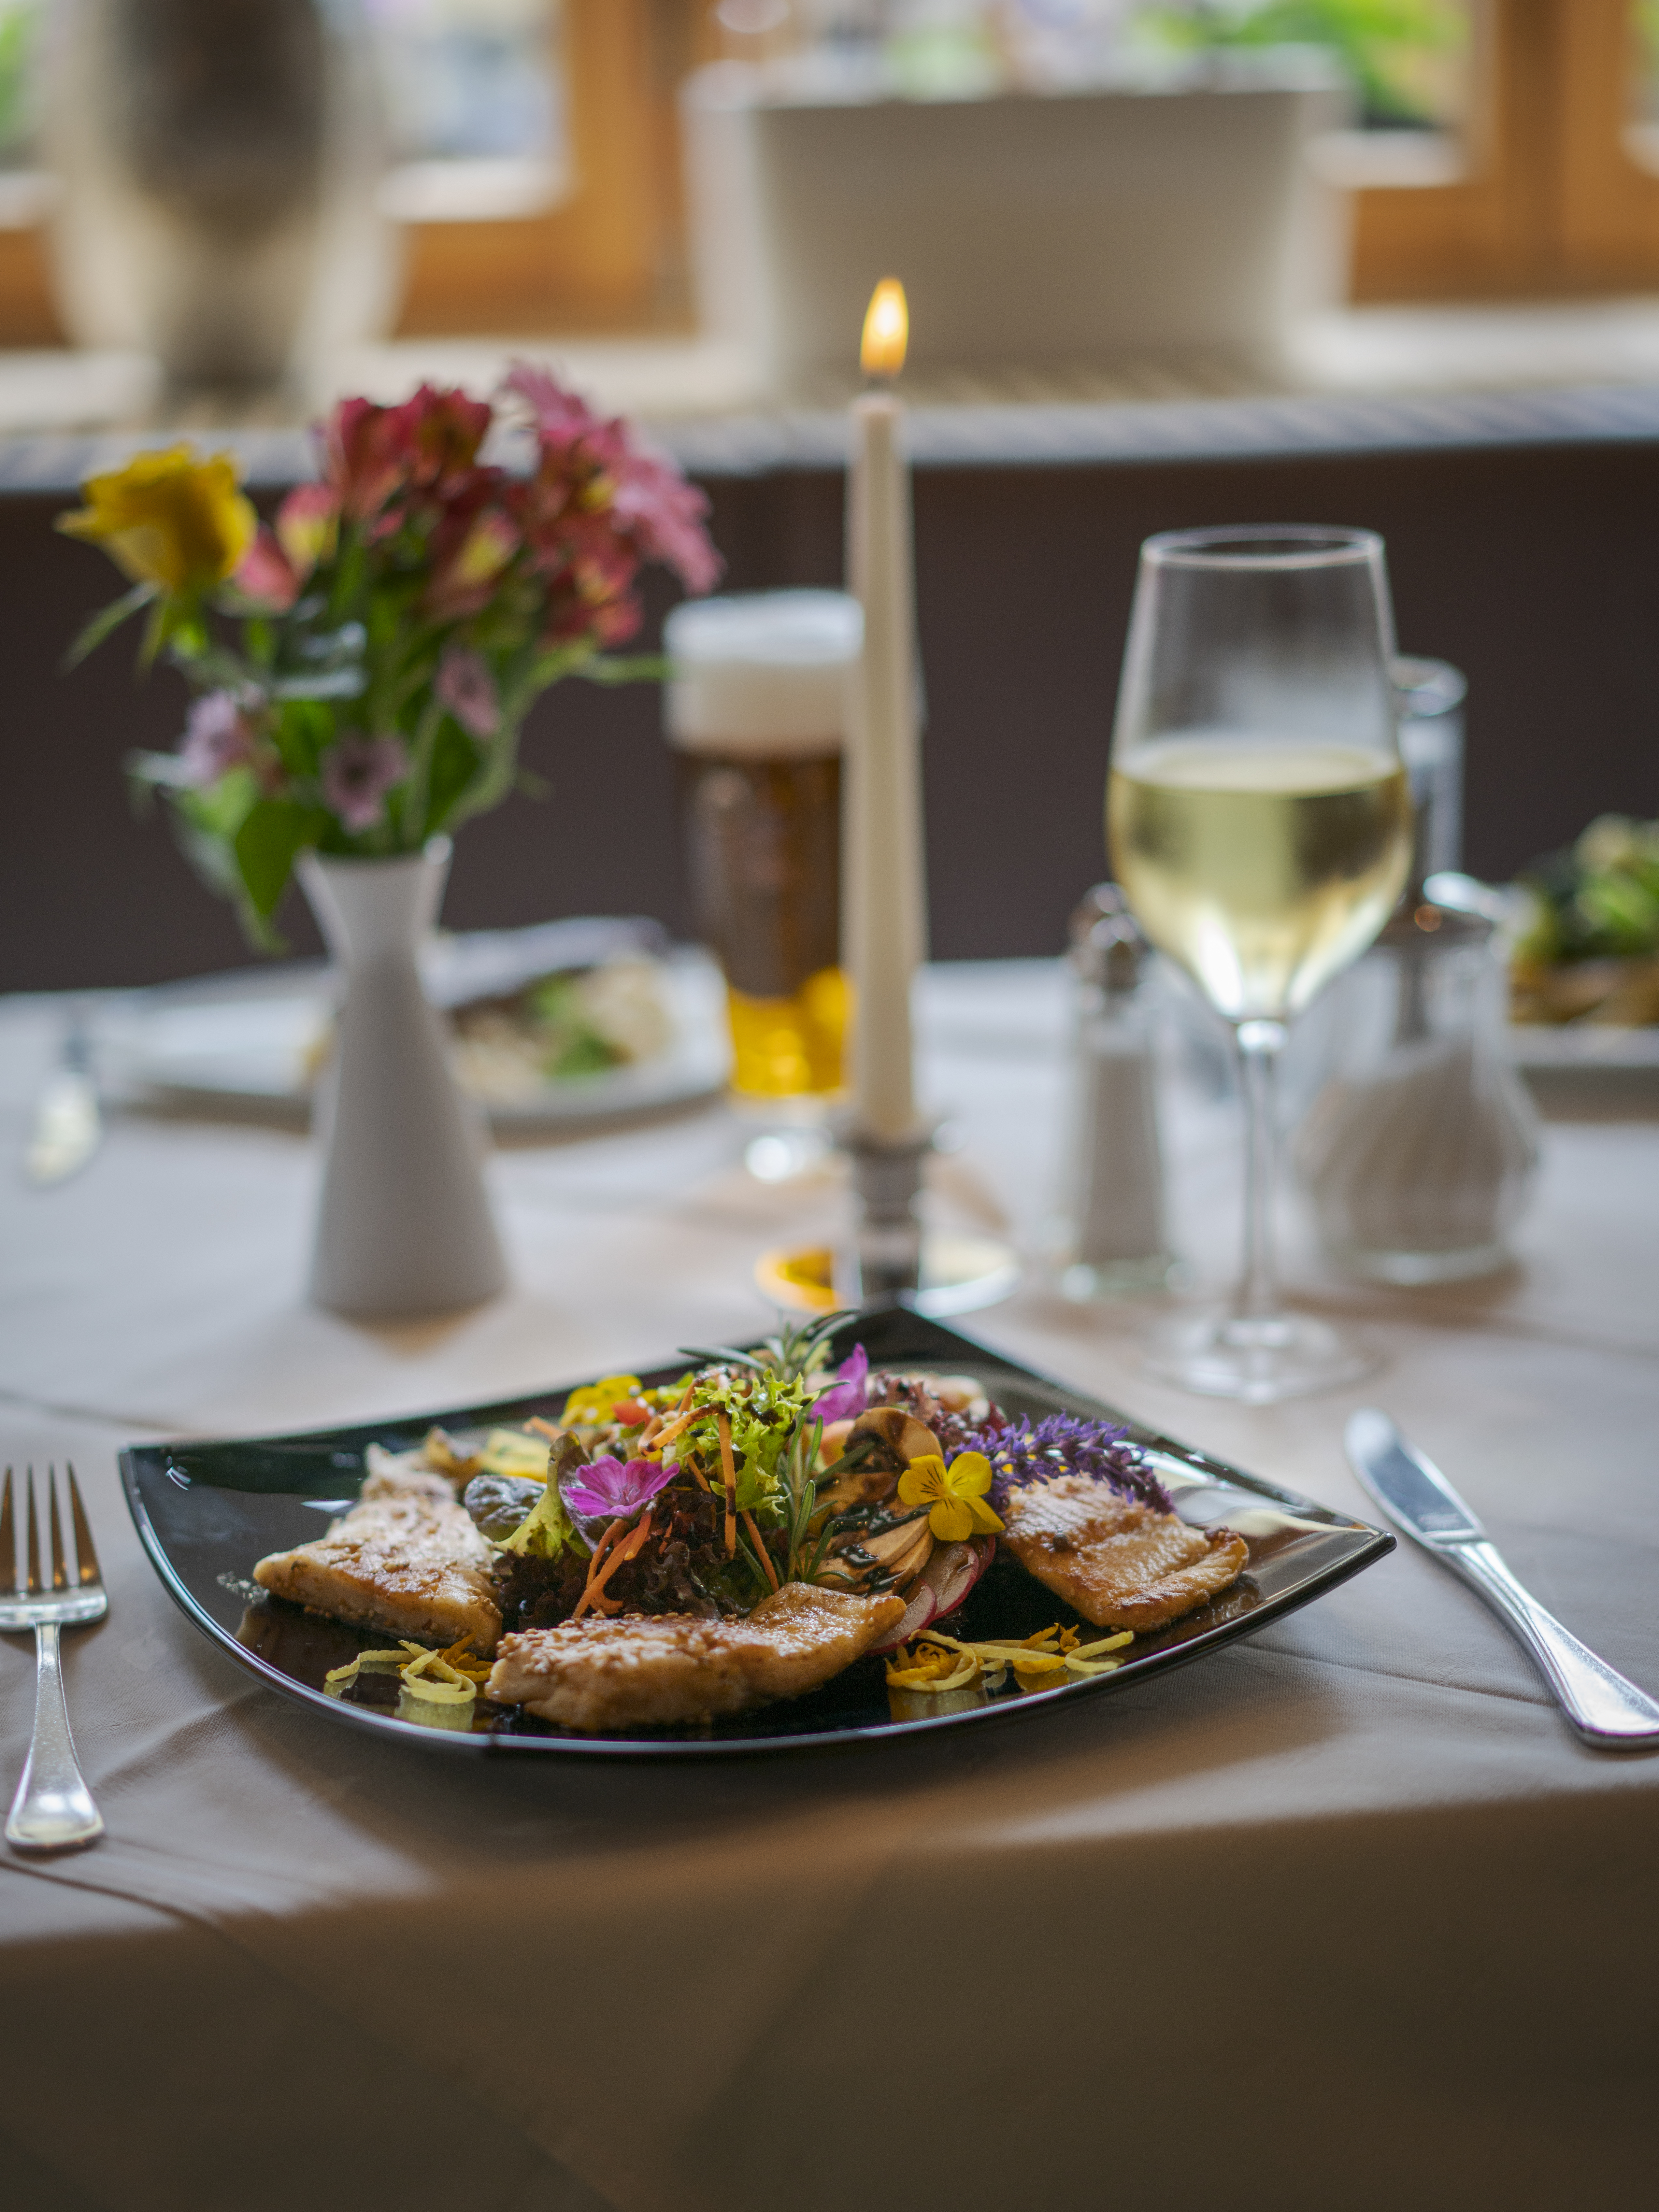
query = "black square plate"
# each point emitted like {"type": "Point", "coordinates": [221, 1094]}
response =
{"type": "Point", "coordinates": [207, 1511]}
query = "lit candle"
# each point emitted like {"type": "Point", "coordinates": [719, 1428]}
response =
{"type": "Point", "coordinates": [884, 878]}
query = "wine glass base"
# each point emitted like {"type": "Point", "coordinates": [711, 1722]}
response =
{"type": "Point", "coordinates": [1259, 1361]}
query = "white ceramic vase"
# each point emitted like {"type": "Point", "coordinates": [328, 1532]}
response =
{"type": "Point", "coordinates": [404, 1226]}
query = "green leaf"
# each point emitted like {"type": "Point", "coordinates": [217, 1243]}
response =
{"type": "Point", "coordinates": [626, 668]}
{"type": "Point", "coordinates": [273, 832]}
{"type": "Point", "coordinates": [107, 622]}
{"type": "Point", "coordinates": [454, 763]}
{"type": "Point", "coordinates": [301, 730]}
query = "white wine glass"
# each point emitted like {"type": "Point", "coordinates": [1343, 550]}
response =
{"type": "Point", "coordinates": [1259, 824]}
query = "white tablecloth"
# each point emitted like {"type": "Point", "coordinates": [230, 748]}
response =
{"type": "Point", "coordinates": [1341, 1916]}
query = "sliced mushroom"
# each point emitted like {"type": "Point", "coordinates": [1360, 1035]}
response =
{"type": "Point", "coordinates": [901, 1552]}
{"type": "Point", "coordinates": [900, 1430]}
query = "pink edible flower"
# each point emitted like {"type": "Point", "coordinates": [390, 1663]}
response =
{"type": "Point", "coordinates": [467, 687]}
{"type": "Point", "coordinates": [845, 1397]}
{"type": "Point", "coordinates": [358, 771]}
{"type": "Point", "coordinates": [605, 1490]}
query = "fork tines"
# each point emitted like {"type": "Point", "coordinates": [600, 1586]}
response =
{"type": "Point", "coordinates": [30, 1582]}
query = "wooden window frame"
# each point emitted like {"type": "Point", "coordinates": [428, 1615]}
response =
{"type": "Point", "coordinates": [1553, 198]}
{"type": "Point", "coordinates": [1549, 195]}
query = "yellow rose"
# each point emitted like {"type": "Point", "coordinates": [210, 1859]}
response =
{"type": "Point", "coordinates": [169, 520]}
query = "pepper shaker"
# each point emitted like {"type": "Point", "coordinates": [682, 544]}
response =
{"type": "Point", "coordinates": [1107, 1236]}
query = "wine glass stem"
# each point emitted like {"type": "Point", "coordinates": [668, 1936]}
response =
{"type": "Point", "coordinates": [1260, 1043]}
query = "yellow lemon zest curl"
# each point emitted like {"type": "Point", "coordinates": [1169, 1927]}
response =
{"type": "Point", "coordinates": [955, 1495]}
{"type": "Point", "coordinates": [450, 1677]}
{"type": "Point", "coordinates": [938, 1663]}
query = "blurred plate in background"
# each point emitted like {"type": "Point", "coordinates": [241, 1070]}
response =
{"type": "Point", "coordinates": [254, 1042]}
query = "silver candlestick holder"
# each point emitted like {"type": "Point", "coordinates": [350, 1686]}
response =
{"type": "Point", "coordinates": [883, 1257]}
{"type": "Point", "coordinates": [886, 1252]}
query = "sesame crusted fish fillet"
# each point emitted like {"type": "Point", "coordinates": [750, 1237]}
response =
{"type": "Point", "coordinates": [1121, 1564]}
{"type": "Point", "coordinates": [405, 1559]}
{"type": "Point", "coordinates": [654, 1669]}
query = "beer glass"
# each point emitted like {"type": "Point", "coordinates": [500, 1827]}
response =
{"type": "Point", "coordinates": [756, 708]}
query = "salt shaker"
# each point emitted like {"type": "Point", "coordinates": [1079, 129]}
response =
{"type": "Point", "coordinates": [1421, 1154]}
{"type": "Point", "coordinates": [1107, 1237]}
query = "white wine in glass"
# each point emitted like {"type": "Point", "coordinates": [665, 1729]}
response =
{"type": "Point", "coordinates": [1261, 826]}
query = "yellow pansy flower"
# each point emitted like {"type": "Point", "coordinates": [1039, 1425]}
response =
{"type": "Point", "coordinates": [167, 519]}
{"type": "Point", "coordinates": [955, 1494]}
{"type": "Point", "coordinates": [592, 1406]}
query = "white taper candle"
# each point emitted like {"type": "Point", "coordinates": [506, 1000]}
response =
{"type": "Point", "coordinates": [884, 863]}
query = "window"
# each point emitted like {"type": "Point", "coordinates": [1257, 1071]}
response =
{"type": "Point", "coordinates": [1502, 147]}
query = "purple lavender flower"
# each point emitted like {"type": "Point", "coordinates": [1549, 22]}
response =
{"type": "Point", "coordinates": [217, 735]}
{"type": "Point", "coordinates": [1067, 1444]}
{"type": "Point", "coordinates": [605, 1490]}
{"type": "Point", "coordinates": [467, 687]}
{"type": "Point", "coordinates": [845, 1397]}
{"type": "Point", "coordinates": [357, 774]}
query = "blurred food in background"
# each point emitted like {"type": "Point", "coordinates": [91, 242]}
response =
{"type": "Point", "coordinates": [562, 1027]}
{"type": "Point", "coordinates": [1588, 949]}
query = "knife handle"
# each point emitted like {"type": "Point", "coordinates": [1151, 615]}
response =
{"type": "Point", "coordinates": [1606, 1711]}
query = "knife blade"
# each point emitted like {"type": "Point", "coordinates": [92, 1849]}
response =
{"type": "Point", "coordinates": [1608, 1712]}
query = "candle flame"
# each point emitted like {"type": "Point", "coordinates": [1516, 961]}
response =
{"type": "Point", "coordinates": [886, 330]}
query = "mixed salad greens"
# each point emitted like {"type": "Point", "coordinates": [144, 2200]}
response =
{"type": "Point", "coordinates": [752, 1469]}
{"type": "Point", "coordinates": [1589, 946]}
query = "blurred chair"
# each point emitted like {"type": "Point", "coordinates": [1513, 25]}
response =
{"type": "Point", "coordinates": [1083, 227]}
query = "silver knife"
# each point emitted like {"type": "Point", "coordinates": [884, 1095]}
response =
{"type": "Point", "coordinates": [1608, 1712]}
{"type": "Point", "coordinates": [68, 1121]}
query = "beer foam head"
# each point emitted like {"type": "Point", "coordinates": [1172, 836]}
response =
{"type": "Point", "coordinates": [765, 672]}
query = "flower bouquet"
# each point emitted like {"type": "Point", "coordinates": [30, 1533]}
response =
{"type": "Point", "coordinates": [362, 671]}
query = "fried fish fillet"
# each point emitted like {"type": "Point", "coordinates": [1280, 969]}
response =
{"type": "Point", "coordinates": [1121, 1562]}
{"type": "Point", "coordinates": [405, 1559]}
{"type": "Point", "coordinates": [654, 1669]}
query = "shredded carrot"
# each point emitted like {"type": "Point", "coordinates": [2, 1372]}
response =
{"type": "Point", "coordinates": [629, 1548]}
{"type": "Point", "coordinates": [547, 1429]}
{"type": "Point", "coordinates": [667, 1435]}
{"type": "Point", "coordinates": [729, 1470]}
{"type": "Point", "coordinates": [765, 1556]}
{"type": "Point", "coordinates": [601, 1551]}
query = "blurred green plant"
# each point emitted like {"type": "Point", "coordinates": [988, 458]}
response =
{"type": "Point", "coordinates": [18, 23]}
{"type": "Point", "coordinates": [1394, 50]}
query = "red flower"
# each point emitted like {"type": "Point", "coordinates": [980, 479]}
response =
{"type": "Point", "coordinates": [368, 456]}
{"type": "Point", "coordinates": [307, 523]}
{"type": "Point", "coordinates": [265, 576]}
{"type": "Point", "coordinates": [471, 553]}
{"type": "Point", "coordinates": [668, 516]}
{"type": "Point", "coordinates": [642, 497]}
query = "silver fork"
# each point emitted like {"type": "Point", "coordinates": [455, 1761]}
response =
{"type": "Point", "coordinates": [53, 1810]}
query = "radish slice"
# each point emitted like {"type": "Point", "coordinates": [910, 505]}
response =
{"type": "Point", "coordinates": [965, 1563]}
{"type": "Point", "coordinates": [940, 1587]}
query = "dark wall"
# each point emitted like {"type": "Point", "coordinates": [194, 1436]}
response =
{"type": "Point", "coordinates": [1534, 569]}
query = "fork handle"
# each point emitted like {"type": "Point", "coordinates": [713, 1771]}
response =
{"type": "Point", "coordinates": [53, 1810]}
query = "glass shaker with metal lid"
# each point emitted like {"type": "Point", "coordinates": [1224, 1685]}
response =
{"type": "Point", "coordinates": [1421, 1154]}
{"type": "Point", "coordinates": [1107, 1237]}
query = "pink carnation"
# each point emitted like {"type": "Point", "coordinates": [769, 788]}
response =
{"type": "Point", "coordinates": [357, 773]}
{"type": "Point", "coordinates": [467, 687]}
{"type": "Point", "coordinates": [217, 736]}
